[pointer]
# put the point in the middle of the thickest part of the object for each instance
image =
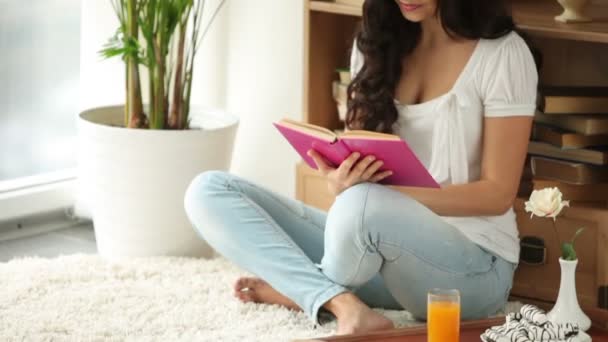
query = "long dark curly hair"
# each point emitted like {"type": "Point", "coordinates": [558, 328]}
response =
{"type": "Point", "coordinates": [385, 37]}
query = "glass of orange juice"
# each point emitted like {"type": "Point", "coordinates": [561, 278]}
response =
{"type": "Point", "coordinates": [443, 315]}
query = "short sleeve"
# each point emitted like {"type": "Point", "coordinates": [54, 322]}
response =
{"type": "Point", "coordinates": [356, 60]}
{"type": "Point", "coordinates": [510, 80]}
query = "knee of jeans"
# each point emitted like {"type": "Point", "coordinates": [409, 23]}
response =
{"type": "Point", "coordinates": [354, 195]}
{"type": "Point", "coordinates": [345, 217]}
{"type": "Point", "coordinates": [202, 190]}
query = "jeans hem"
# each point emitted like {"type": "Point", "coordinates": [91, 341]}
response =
{"type": "Point", "coordinates": [323, 298]}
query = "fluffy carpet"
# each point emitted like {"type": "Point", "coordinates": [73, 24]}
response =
{"type": "Point", "coordinates": [86, 298]}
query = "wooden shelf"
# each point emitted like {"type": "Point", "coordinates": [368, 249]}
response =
{"type": "Point", "coordinates": [534, 17]}
{"type": "Point", "coordinates": [537, 18]}
{"type": "Point", "coordinates": [331, 7]}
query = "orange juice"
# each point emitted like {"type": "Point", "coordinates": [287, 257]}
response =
{"type": "Point", "coordinates": [443, 321]}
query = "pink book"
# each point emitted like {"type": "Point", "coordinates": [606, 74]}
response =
{"type": "Point", "coordinates": [394, 152]}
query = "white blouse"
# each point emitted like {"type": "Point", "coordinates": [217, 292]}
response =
{"type": "Point", "coordinates": [500, 79]}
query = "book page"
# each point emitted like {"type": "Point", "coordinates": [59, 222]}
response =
{"type": "Point", "coordinates": [314, 130]}
{"type": "Point", "coordinates": [361, 134]}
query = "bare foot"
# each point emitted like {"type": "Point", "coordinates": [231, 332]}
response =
{"type": "Point", "coordinates": [257, 290]}
{"type": "Point", "coordinates": [362, 321]}
{"type": "Point", "coordinates": [354, 317]}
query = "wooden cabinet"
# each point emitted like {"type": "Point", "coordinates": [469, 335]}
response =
{"type": "Point", "coordinates": [541, 281]}
{"type": "Point", "coordinates": [312, 188]}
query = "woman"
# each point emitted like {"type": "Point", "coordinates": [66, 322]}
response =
{"type": "Point", "coordinates": [452, 78]}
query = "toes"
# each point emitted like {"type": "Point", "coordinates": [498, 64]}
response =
{"type": "Point", "coordinates": [245, 283]}
{"type": "Point", "coordinates": [239, 284]}
{"type": "Point", "coordinates": [245, 296]}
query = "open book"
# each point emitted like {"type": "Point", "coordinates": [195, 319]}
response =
{"type": "Point", "coordinates": [394, 152]}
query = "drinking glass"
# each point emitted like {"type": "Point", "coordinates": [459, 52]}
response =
{"type": "Point", "coordinates": [443, 315]}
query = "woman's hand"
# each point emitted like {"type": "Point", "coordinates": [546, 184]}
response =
{"type": "Point", "coordinates": [352, 171]}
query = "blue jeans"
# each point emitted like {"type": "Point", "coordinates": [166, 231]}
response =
{"type": "Point", "coordinates": [375, 241]}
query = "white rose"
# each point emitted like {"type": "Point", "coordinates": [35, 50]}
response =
{"type": "Point", "coordinates": [546, 203]}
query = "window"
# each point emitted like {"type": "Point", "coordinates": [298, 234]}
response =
{"type": "Point", "coordinates": [39, 79]}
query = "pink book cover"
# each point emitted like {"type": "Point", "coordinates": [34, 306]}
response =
{"type": "Point", "coordinates": [396, 155]}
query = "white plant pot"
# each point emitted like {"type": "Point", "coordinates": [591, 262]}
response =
{"type": "Point", "coordinates": [134, 180]}
{"type": "Point", "coordinates": [567, 309]}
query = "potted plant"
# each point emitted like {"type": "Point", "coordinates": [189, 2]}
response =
{"type": "Point", "coordinates": [549, 203]}
{"type": "Point", "coordinates": [137, 160]}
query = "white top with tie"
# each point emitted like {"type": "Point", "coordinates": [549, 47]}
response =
{"type": "Point", "coordinates": [500, 79]}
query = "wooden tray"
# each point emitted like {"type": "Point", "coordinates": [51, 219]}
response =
{"type": "Point", "coordinates": [469, 332]}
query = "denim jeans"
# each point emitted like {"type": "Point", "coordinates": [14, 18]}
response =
{"type": "Point", "coordinates": [376, 242]}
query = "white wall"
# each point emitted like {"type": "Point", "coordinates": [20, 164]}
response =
{"type": "Point", "coordinates": [264, 84]}
{"type": "Point", "coordinates": [250, 64]}
{"type": "Point", "coordinates": [101, 81]}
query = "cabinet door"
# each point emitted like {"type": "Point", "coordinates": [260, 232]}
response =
{"type": "Point", "coordinates": [311, 188]}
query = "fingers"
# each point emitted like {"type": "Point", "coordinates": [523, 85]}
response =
{"type": "Point", "coordinates": [345, 168]}
{"type": "Point", "coordinates": [322, 164]}
{"type": "Point", "coordinates": [380, 176]}
{"type": "Point", "coordinates": [371, 170]}
{"type": "Point", "coordinates": [352, 170]}
{"type": "Point", "coordinates": [359, 172]}
{"type": "Point", "coordinates": [356, 172]}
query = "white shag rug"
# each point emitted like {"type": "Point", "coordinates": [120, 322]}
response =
{"type": "Point", "coordinates": [87, 298]}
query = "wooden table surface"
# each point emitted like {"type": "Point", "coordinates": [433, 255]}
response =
{"type": "Point", "coordinates": [469, 332]}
